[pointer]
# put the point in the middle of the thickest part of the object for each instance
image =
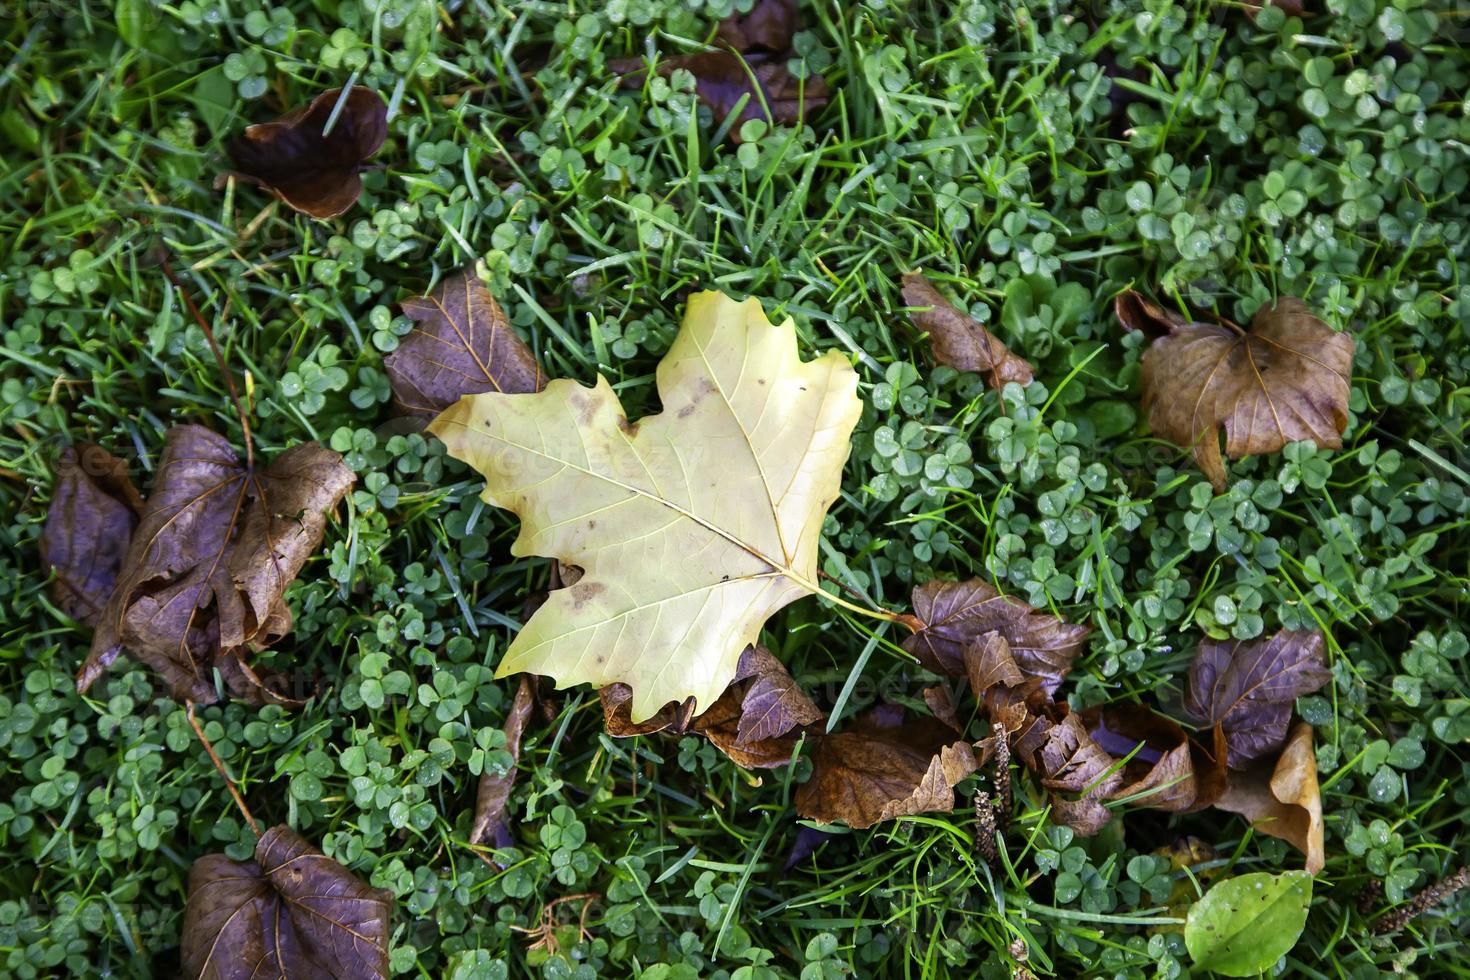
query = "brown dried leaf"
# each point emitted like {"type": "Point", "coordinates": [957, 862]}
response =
{"type": "Point", "coordinates": [206, 571]}
{"type": "Point", "coordinates": [291, 912]}
{"type": "Point", "coordinates": [1285, 380]}
{"type": "Point", "coordinates": [1169, 771]}
{"type": "Point", "coordinates": [941, 706]}
{"type": "Point", "coordinates": [885, 766]}
{"type": "Point", "coordinates": [94, 508]}
{"type": "Point", "coordinates": [956, 613]}
{"type": "Point", "coordinates": [1248, 688]}
{"type": "Point", "coordinates": [769, 26]}
{"type": "Point", "coordinates": [491, 824]}
{"type": "Point", "coordinates": [1284, 800]}
{"type": "Point", "coordinates": [723, 78]}
{"type": "Point", "coordinates": [1070, 762]}
{"type": "Point", "coordinates": [751, 722]}
{"type": "Point", "coordinates": [958, 339]}
{"type": "Point", "coordinates": [314, 171]}
{"type": "Point", "coordinates": [1136, 311]}
{"type": "Point", "coordinates": [462, 345]}
{"type": "Point", "coordinates": [617, 714]}
{"type": "Point", "coordinates": [773, 704]}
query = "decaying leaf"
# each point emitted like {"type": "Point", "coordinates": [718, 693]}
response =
{"type": "Point", "coordinates": [1076, 768]}
{"type": "Point", "coordinates": [1284, 380]}
{"type": "Point", "coordinates": [885, 766]}
{"type": "Point", "coordinates": [94, 508]}
{"type": "Point", "coordinates": [462, 344]}
{"type": "Point", "coordinates": [491, 824]}
{"type": "Point", "coordinates": [617, 714]}
{"type": "Point", "coordinates": [1117, 752]}
{"type": "Point", "coordinates": [956, 613]}
{"type": "Point", "coordinates": [1136, 311]}
{"type": "Point", "coordinates": [204, 578]}
{"type": "Point", "coordinates": [692, 526]}
{"type": "Point", "coordinates": [773, 703]}
{"type": "Point", "coordinates": [297, 159]}
{"type": "Point", "coordinates": [291, 912]}
{"type": "Point", "coordinates": [1249, 687]}
{"type": "Point", "coordinates": [1284, 799]}
{"type": "Point", "coordinates": [754, 722]}
{"type": "Point", "coordinates": [958, 339]}
{"type": "Point", "coordinates": [1166, 769]}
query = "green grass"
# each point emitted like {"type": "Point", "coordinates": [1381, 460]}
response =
{"type": "Point", "coordinates": [1324, 157]}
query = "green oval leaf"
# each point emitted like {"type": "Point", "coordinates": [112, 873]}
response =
{"type": "Point", "coordinates": [1245, 924]}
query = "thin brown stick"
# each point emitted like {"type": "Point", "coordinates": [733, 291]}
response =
{"type": "Point", "coordinates": [219, 765]}
{"type": "Point", "coordinates": [219, 359]}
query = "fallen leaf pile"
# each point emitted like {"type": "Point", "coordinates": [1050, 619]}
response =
{"type": "Point", "coordinates": [193, 579]}
{"type": "Point", "coordinates": [291, 912]}
{"type": "Point", "coordinates": [1014, 659]}
{"type": "Point", "coordinates": [1284, 380]}
{"type": "Point", "coordinates": [750, 63]}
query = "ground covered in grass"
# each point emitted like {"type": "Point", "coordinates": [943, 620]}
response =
{"type": "Point", "coordinates": [1034, 160]}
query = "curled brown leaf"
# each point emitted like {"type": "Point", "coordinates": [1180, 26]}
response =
{"type": "Point", "coordinates": [1136, 311]}
{"type": "Point", "coordinates": [1284, 800]}
{"type": "Point", "coordinates": [313, 169]}
{"type": "Point", "coordinates": [958, 339]}
{"type": "Point", "coordinates": [1165, 768]}
{"type": "Point", "coordinates": [94, 508]}
{"type": "Point", "coordinates": [461, 344]}
{"type": "Point", "coordinates": [291, 912]}
{"type": "Point", "coordinates": [1284, 380]}
{"type": "Point", "coordinates": [885, 766]}
{"type": "Point", "coordinates": [206, 571]}
{"type": "Point", "coordinates": [1081, 775]}
{"type": "Point", "coordinates": [1249, 687]}
{"type": "Point", "coordinates": [491, 824]}
{"type": "Point", "coordinates": [956, 613]}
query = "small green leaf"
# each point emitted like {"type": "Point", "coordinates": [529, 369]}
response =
{"type": "Point", "coordinates": [1243, 925]}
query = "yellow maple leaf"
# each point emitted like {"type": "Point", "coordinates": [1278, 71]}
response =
{"type": "Point", "coordinates": [693, 526]}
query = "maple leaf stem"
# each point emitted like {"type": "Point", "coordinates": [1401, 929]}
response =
{"type": "Point", "coordinates": [912, 623]}
{"type": "Point", "coordinates": [219, 360]}
{"type": "Point", "coordinates": [220, 766]}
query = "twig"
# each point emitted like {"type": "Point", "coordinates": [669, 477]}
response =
{"type": "Point", "coordinates": [1425, 900]}
{"type": "Point", "coordinates": [219, 359]}
{"type": "Point", "coordinates": [229, 783]}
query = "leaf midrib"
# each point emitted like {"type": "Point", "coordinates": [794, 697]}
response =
{"type": "Point", "coordinates": [781, 567]}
